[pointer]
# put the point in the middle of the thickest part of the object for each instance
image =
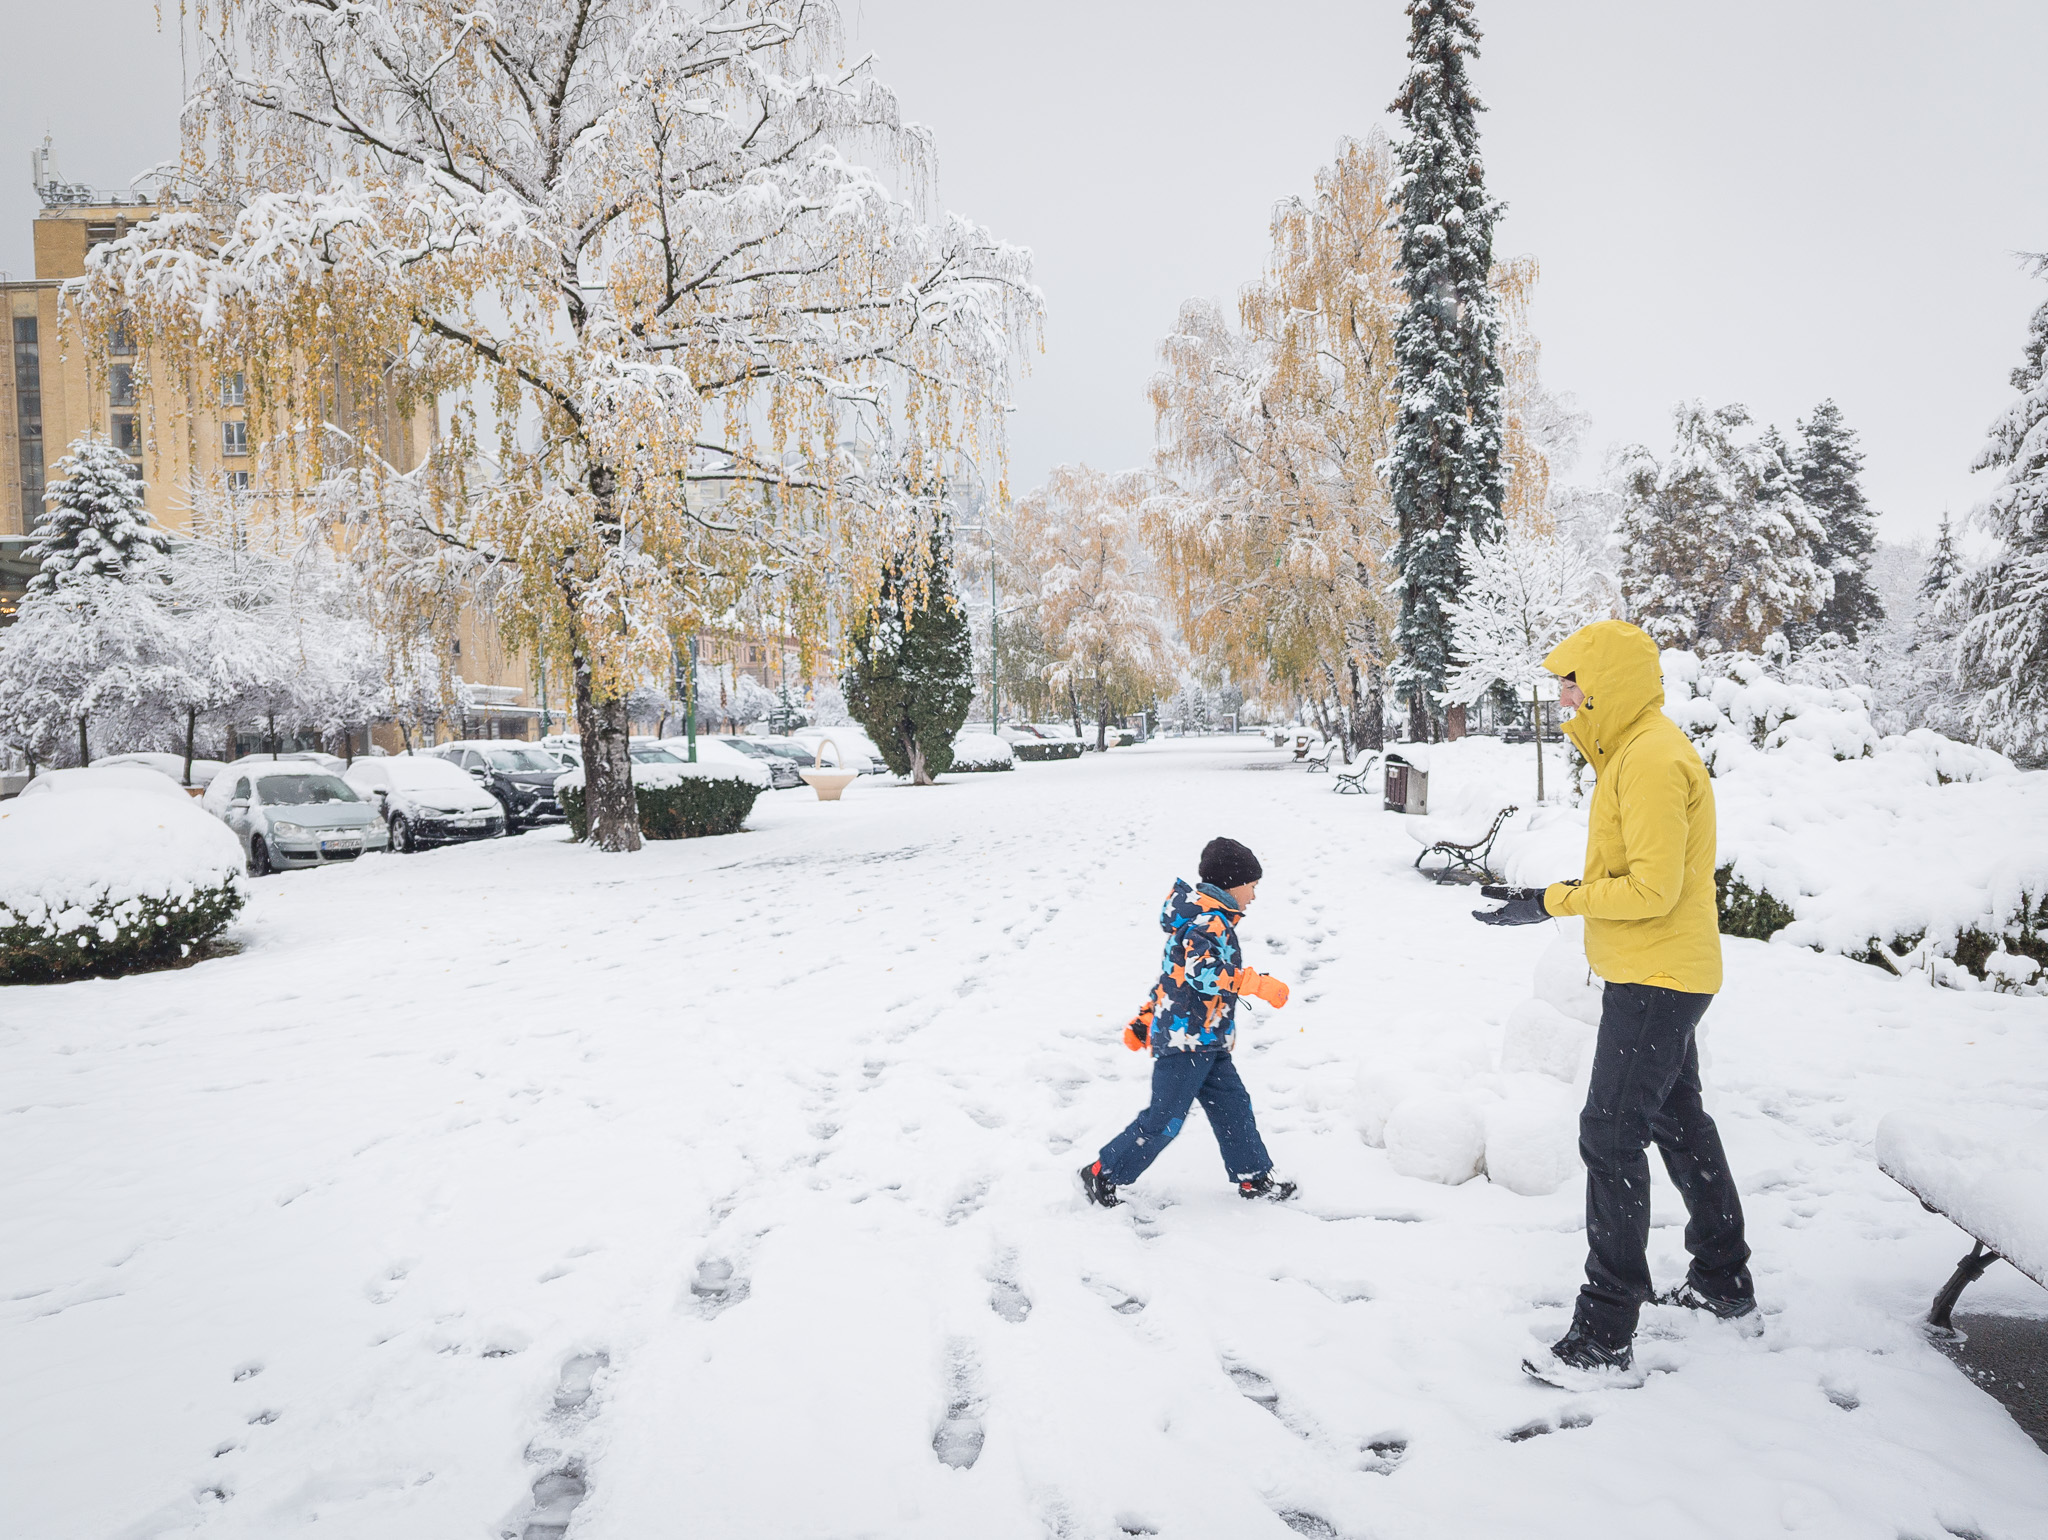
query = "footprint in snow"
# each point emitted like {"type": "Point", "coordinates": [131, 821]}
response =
{"type": "Point", "coordinates": [1381, 1455]}
{"type": "Point", "coordinates": [1121, 1301]}
{"type": "Point", "coordinates": [715, 1288]}
{"type": "Point", "coordinates": [1304, 1523]}
{"type": "Point", "coordinates": [959, 1436]}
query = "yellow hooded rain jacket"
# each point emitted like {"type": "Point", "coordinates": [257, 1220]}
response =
{"type": "Point", "coordinates": [1648, 892]}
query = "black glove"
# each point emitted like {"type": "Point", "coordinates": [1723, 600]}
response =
{"type": "Point", "coordinates": [1495, 890]}
{"type": "Point", "coordinates": [1524, 907]}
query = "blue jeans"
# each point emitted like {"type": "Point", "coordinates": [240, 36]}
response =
{"type": "Point", "coordinates": [1178, 1080]}
{"type": "Point", "coordinates": [1646, 1090]}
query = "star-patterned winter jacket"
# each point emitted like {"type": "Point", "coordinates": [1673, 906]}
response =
{"type": "Point", "coordinates": [1194, 1005]}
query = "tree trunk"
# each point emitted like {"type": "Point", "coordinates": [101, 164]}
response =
{"type": "Point", "coordinates": [84, 752]}
{"type": "Point", "coordinates": [191, 731]}
{"type": "Point", "coordinates": [1375, 737]}
{"type": "Point", "coordinates": [914, 751]}
{"type": "Point", "coordinates": [612, 817]}
{"type": "Point", "coordinates": [1074, 706]}
{"type": "Point", "coordinates": [1536, 716]}
{"type": "Point", "coordinates": [1102, 726]}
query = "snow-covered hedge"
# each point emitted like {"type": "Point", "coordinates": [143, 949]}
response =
{"type": "Point", "coordinates": [677, 802]}
{"type": "Point", "coordinates": [1911, 852]}
{"type": "Point", "coordinates": [982, 751]}
{"type": "Point", "coordinates": [110, 881]}
{"type": "Point", "coordinates": [1038, 750]}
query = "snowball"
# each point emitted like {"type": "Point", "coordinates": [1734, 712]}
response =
{"type": "Point", "coordinates": [1565, 983]}
{"type": "Point", "coordinates": [1379, 1093]}
{"type": "Point", "coordinates": [1532, 1141]}
{"type": "Point", "coordinates": [1439, 1138]}
{"type": "Point", "coordinates": [1541, 1039]}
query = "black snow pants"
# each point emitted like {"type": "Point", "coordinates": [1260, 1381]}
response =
{"type": "Point", "coordinates": [1646, 1087]}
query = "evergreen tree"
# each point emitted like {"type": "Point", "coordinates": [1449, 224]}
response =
{"type": "Point", "coordinates": [1826, 471]}
{"type": "Point", "coordinates": [1445, 472]}
{"type": "Point", "coordinates": [1942, 566]}
{"type": "Point", "coordinates": [2002, 647]}
{"type": "Point", "coordinates": [912, 673]}
{"type": "Point", "coordinates": [94, 524]}
{"type": "Point", "coordinates": [1715, 539]}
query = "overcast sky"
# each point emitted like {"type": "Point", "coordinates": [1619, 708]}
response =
{"type": "Point", "coordinates": [1766, 201]}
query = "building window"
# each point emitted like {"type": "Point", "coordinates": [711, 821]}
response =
{"type": "Point", "coordinates": [234, 389]}
{"type": "Point", "coordinates": [238, 481]}
{"type": "Point", "coordinates": [234, 438]}
{"type": "Point", "coordinates": [121, 343]}
{"type": "Point", "coordinates": [28, 418]}
{"type": "Point", "coordinates": [128, 433]}
{"type": "Point", "coordinates": [99, 234]}
{"type": "Point", "coordinates": [121, 385]}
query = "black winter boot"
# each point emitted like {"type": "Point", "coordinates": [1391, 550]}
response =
{"type": "Point", "coordinates": [1739, 1313]}
{"type": "Point", "coordinates": [1263, 1186]}
{"type": "Point", "coordinates": [1577, 1361]}
{"type": "Point", "coordinates": [1097, 1187]}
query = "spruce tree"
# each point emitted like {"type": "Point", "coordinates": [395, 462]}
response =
{"type": "Point", "coordinates": [93, 524]}
{"type": "Point", "coordinates": [1827, 468]}
{"type": "Point", "coordinates": [2002, 661]}
{"type": "Point", "coordinates": [1444, 472]}
{"type": "Point", "coordinates": [912, 674]}
{"type": "Point", "coordinates": [1942, 566]}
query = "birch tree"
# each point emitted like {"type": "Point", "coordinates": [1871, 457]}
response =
{"type": "Point", "coordinates": [1524, 593]}
{"type": "Point", "coordinates": [1107, 643]}
{"type": "Point", "coordinates": [628, 245]}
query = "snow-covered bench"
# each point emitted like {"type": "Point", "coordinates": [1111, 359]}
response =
{"type": "Point", "coordinates": [1990, 1182]}
{"type": "Point", "coordinates": [1468, 857]}
{"type": "Point", "coordinates": [1352, 781]}
{"type": "Point", "coordinates": [1320, 760]}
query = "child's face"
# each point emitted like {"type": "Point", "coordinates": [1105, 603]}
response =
{"type": "Point", "coordinates": [1243, 894]}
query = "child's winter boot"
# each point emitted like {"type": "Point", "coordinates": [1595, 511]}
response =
{"type": "Point", "coordinates": [1263, 1186]}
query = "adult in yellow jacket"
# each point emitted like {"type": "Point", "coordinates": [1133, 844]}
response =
{"type": "Point", "coordinates": [1653, 934]}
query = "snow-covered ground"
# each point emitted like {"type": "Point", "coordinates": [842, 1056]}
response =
{"type": "Point", "coordinates": [729, 1187]}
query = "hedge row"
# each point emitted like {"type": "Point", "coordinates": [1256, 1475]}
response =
{"type": "Point", "coordinates": [697, 806]}
{"type": "Point", "coordinates": [112, 936]}
{"type": "Point", "coordinates": [1058, 748]}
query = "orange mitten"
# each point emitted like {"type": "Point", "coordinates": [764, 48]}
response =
{"type": "Point", "coordinates": [1252, 982]}
{"type": "Point", "coordinates": [1138, 1030]}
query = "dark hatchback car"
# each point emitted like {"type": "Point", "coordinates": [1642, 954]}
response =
{"type": "Point", "coordinates": [520, 776]}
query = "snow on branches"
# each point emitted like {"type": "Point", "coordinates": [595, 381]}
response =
{"type": "Point", "coordinates": [671, 321]}
{"type": "Point", "coordinates": [1717, 545]}
{"type": "Point", "coordinates": [93, 523]}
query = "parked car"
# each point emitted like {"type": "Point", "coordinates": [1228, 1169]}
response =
{"type": "Point", "coordinates": [782, 770]}
{"type": "Point", "coordinates": [797, 753]}
{"type": "Point", "coordinates": [427, 801]}
{"type": "Point", "coordinates": [715, 751]}
{"type": "Point", "coordinates": [101, 776]}
{"type": "Point", "coordinates": [856, 750]}
{"type": "Point", "coordinates": [172, 765]}
{"type": "Point", "coordinates": [520, 776]}
{"type": "Point", "coordinates": [289, 814]}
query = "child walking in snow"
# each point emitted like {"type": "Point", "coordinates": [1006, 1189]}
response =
{"type": "Point", "coordinates": [1189, 1024]}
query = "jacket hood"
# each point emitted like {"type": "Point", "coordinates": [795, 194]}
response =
{"type": "Point", "coordinates": [1186, 904]}
{"type": "Point", "coordinates": [1616, 665]}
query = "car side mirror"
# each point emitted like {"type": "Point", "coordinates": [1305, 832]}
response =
{"type": "Point", "coordinates": [239, 805]}
{"type": "Point", "coordinates": [479, 773]}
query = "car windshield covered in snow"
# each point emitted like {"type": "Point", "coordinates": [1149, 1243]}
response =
{"type": "Point", "coordinates": [413, 774]}
{"type": "Point", "coordinates": [648, 754]}
{"type": "Point", "coordinates": [304, 790]}
{"type": "Point", "coordinates": [521, 761]}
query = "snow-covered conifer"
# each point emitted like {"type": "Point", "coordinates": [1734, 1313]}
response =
{"type": "Point", "coordinates": [1827, 468]}
{"type": "Point", "coordinates": [93, 523]}
{"type": "Point", "coordinates": [1445, 469]}
{"type": "Point", "coordinates": [1524, 593]}
{"type": "Point", "coordinates": [1942, 565]}
{"type": "Point", "coordinates": [912, 671]}
{"type": "Point", "coordinates": [2002, 606]}
{"type": "Point", "coordinates": [1715, 539]}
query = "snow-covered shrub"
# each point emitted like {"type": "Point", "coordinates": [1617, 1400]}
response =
{"type": "Point", "coordinates": [110, 881]}
{"type": "Point", "coordinates": [677, 802]}
{"type": "Point", "coordinates": [1035, 752]}
{"type": "Point", "coordinates": [982, 751]}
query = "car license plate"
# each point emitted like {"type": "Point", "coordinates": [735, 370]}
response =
{"type": "Point", "coordinates": [476, 822]}
{"type": "Point", "coordinates": [346, 842]}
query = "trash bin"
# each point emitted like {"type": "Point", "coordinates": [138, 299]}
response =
{"type": "Point", "coordinates": [1407, 786]}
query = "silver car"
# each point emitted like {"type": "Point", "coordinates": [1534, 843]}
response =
{"type": "Point", "coordinates": [290, 815]}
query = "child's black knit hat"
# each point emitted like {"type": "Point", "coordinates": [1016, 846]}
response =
{"type": "Point", "coordinates": [1227, 864]}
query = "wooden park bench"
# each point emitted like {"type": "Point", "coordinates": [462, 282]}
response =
{"type": "Point", "coordinates": [1992, 1187]}
{"type": "Point", "coordinates": [1470, 858]}
{"type": "Point", "coordinates": [1352, 782]}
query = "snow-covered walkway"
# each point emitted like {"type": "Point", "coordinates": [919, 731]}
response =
{"type": "Point", "coordinates": [726, 1191]}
